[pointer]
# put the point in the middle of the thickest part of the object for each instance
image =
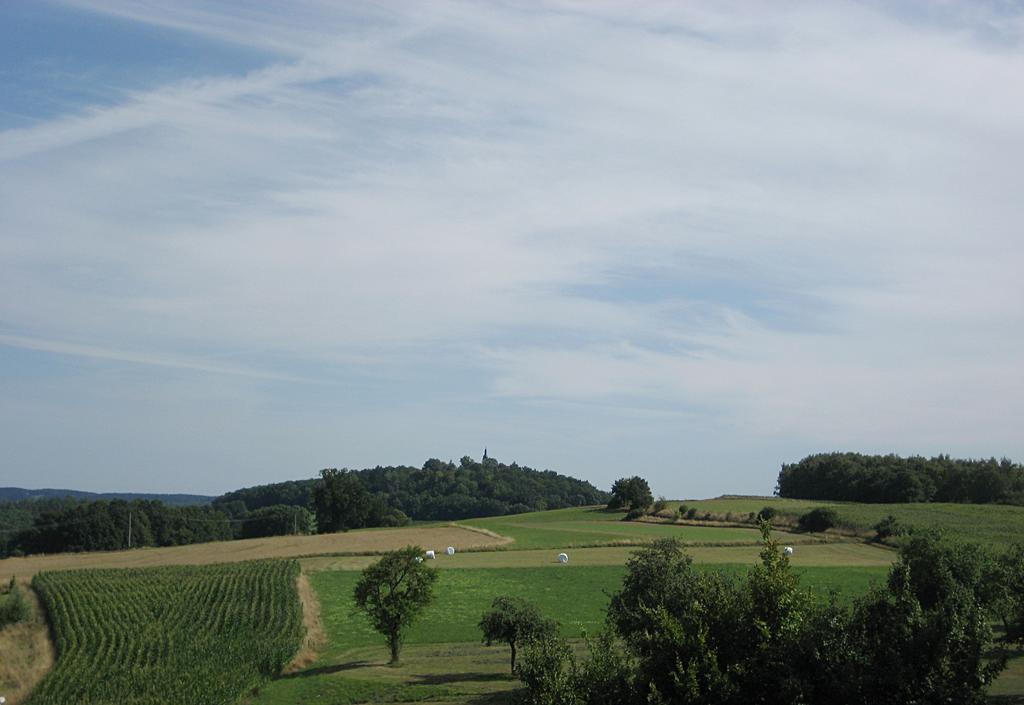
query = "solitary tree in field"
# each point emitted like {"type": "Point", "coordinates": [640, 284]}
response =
{"type": "Point", "coordinates": [513, 620]}
{"type": "Point", "coordinates": [631, 493]}
{"type": "Point", "coordinates": [394, 591]}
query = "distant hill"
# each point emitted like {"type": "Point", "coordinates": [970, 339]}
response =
{"type": "Point", "coordinates": [439, 490]}
{"type": "Point", "coordinates": [17, 494]}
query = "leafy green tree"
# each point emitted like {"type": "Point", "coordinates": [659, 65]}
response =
{"type": "Point", "coordinates": [394, 591]}
{"type": "Point", "coordinates": [513, 620]}
{"type": "Point", "coordinates": [631, 493]}
{"type": "Point", "coordinates": [342, 501]}
{"type": "Point", "coordinates": [818, 519]}
{"type": "Point", "coordinates": [548, 670]}
{"type": "Point", "coordinates": [1011, 602]}
{"type": "Point", "coordinates": [277, 520]}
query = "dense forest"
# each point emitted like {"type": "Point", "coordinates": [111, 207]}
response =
{"type": "Point", "coordinates": [852, 477]}
{"type": "Point", "coordinates": [381, 496]}
{"type": "Point", "coordinates": [441, 490]}
{"type": "Point", "coordinates": [75, 525]}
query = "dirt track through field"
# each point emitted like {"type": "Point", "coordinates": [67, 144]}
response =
{"type": "Point", "coordinates": [353, 542]}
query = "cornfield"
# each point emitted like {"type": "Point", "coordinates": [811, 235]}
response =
{"type": "Point", "coordinates": [197, 634]}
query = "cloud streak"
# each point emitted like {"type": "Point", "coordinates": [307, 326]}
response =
{"type": "Point", "coordinates": [797, 224]}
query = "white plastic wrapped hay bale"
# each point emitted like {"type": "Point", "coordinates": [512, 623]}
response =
{"type": "Point", "coordinates": [431, 555]}
{"type": "Point", "coordinates": [788, 550]}
{"type": "Point", "coordinates": [563, 557]}
{"type": "Point", "coordinates": [450, 550]}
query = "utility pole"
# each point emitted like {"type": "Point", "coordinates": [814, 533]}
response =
{"type": "Point", "coordinates": [129, 528]}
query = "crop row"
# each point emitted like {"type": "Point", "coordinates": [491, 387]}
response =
{"type": "Point", "coordinates": [203, 634]}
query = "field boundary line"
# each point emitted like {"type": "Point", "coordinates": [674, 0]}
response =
{"type": "Point", "coordinates": [316, 636]}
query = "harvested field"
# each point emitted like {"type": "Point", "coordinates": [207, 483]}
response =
{"type": "Point", "coordinates": [354, 542]}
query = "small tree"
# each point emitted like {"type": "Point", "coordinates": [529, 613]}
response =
{"type": "Point", "coordinates": [889, 528]}
{"type": "Point", "coordinates": [819, 519]}
{"type": "Point", "coordinates": [631, 493]}
{"type": "Point", "coordinates": [394, 591]}
{"type": "Point", "coordinates": [513, 620]}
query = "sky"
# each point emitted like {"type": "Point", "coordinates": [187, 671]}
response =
{"type": "Point", "coordinates": [240, 242]}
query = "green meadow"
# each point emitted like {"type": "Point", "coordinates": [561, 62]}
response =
{"type": "Point", "coordinates": [444, 659]}
{"type": "Point", "coordinates": [989, 524]}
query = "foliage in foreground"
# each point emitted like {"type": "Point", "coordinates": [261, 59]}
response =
{"type": "Point", "coordinates": [681, 635]}
{"type": "Point", "coordinates": [514, 620]}
{"type": "Point", "coordinates": [201, 634]}
{"type": "Point", "coordinates": [394, 591]}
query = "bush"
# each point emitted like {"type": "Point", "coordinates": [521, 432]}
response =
{"type": "Point", "coordinates": [889, 527]}
{"type": "Point", "coordinates": [820, 519]}
{"type": "Point", "coordinates": [766, 513]}
{"type": "Point", "coordinates": [691, 513]}
{"type": "Point", "coordinates": [681, 511]}
{"type": "Point", "coordinates": [15, 607]}
{"type": "Point", "coordinates": [659, 505]}
{"type": "Point", "coordinates": [633, 514]}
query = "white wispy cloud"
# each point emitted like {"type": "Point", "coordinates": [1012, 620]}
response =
{"type": "Point", "coordinates": [802, 220]}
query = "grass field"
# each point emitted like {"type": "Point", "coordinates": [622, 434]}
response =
{"type": "Point", "coordinates": [352, 665]}
{"type": "Point", "coordinates": [444, 661]}
{"type": "Point", "coordinates": [990, 524]}
{"type": "Point", "coordinates": [590, 526]}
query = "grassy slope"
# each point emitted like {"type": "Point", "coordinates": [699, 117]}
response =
{"type": "Point", "coordinates": [991, 524]}
{"type": "Point", "coordinates": [587, 526]}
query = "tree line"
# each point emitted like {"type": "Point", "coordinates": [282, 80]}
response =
{"type": "Point", "coordinates": [853, 477]}
{"type": "Point", "coordinates": [74, 525]}
{"type": "Point", "coordinates": [439, 490]}
{"type": "Point", "coordinates": [338, 500]}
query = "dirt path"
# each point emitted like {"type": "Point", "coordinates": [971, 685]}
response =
{"type": "Point", "coordinates": [315, 637]}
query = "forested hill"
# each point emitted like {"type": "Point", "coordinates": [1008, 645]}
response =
{"type": "Point", "coordinates": [443, 490]}
{"type": "Point", "coordinates": [16, 494]}
{"type": "Point", "coordinates": [852, 477]}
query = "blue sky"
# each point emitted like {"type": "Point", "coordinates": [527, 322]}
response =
{"type": "Point", "coordinates": [244, 241]}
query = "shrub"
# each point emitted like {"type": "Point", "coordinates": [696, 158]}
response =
{"type": "Point", "coordinates": [633, 514]}
{"type": "Point", "coordinates": [766, 514]}
{"type": "Point", "coordinates": [819, 519]}
{"type": "Point", "coordinates": [15, 607]}
{"type": "Point", "coordinates": [681, 511]}
{"type": "Point", "coordinates": [691, 513]}
{"type": "Point", "coordinates": [659, 505]}
{"type": "Point", "coordinates": [889, 527]}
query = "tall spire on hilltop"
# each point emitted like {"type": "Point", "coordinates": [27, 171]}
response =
{"type": "Point", "coordinates": [485, 454]}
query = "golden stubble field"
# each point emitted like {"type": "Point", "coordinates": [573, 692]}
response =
{"type": "Point", "coordinates": [369, 541]}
